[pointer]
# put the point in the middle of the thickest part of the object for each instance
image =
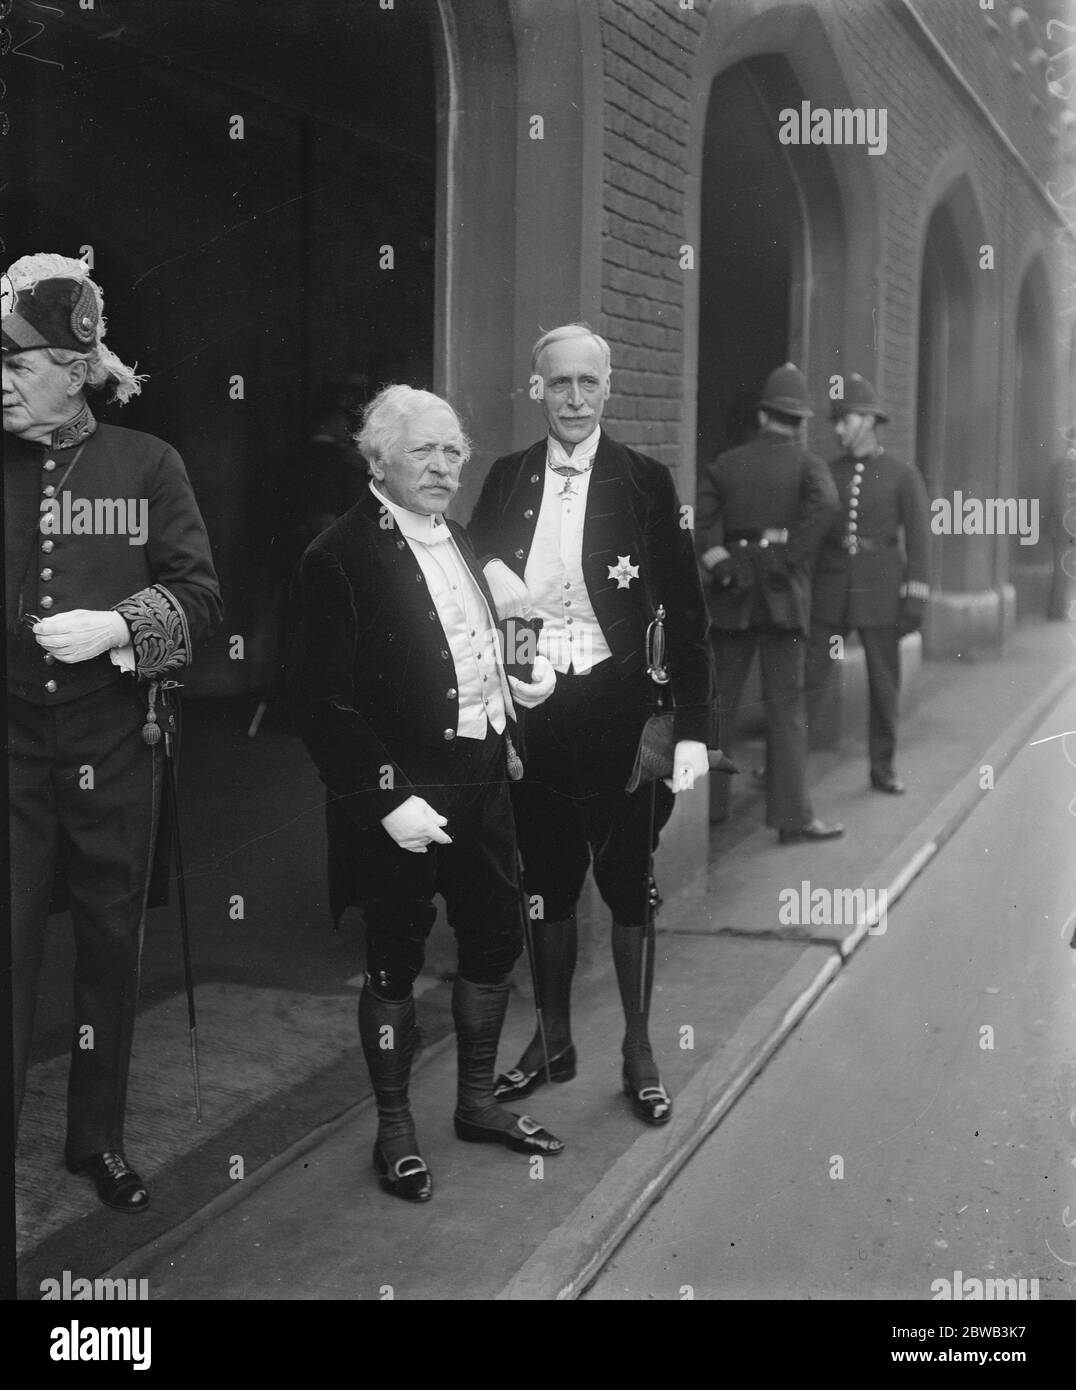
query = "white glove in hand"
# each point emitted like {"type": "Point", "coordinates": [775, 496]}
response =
{"type": "Point", "coordinates": [690, 761]}
{"type": "Point", "coordinates": [539, 688]}
{"type": "Point", "coordinates": [81, 634]}
{"type": "Point", "coordinates": [414, 824]}
{"type": "Point", "coordinates": [511, 597]}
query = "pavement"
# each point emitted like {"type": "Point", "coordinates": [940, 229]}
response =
{"type": "Point", "coordinates": [300, 1214]}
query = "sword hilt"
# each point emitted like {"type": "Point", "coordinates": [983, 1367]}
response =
{"type": "Point", "coordinates": [655, 648]}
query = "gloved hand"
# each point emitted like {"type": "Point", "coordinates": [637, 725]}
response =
{"type": "Point", "coordinates": [538, 688]}
{"type": "Point", "coordinates": [910, 616]}
{"type": "Point", "coordinates": [81, 634]}
{"type": "Point", "coordinates": [690, 761]}
{"type": "Point", "coordinates": [414, 824]}
{"type": "Point", "coordinates": [511, 597]}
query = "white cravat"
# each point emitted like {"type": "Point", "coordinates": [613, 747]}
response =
{"type": "Point", "coordinates": [465, 616]}
{"type": "Point", "coordinates": [571, 636]}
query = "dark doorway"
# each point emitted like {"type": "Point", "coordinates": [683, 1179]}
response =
{"type": "Point", "coordinates": [265, 258]}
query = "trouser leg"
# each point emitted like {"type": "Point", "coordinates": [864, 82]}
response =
{"type": "Point", "coordinates": [107, 795]}
{"type": "Point", "coordinates": [821, 673]}
{"type": "Point", "coordinates": [782, 658]}
{"type": "Point", "coordinates": [733, 654]}
{"type": "Point", "coordinates": [881, 647]}
{"type": "Point", "coordinates": [32, 844]}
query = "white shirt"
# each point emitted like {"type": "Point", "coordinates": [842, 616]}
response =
{"type": "Point", "coordinates": [571, 636]}
{"type": "Point", "coordinates": [465, 616]}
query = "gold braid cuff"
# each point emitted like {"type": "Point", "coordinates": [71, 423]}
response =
{"type": "Point", "coordinates": [159, 631]}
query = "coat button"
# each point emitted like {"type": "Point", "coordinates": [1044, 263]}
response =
{"type": "Point", "coordinates": [450, 734]}
{"type": "Point", "coordinates": [852, 525]}
{"type": "Point", "coordinates": [46, 575]}
{"type": "Point", "coordinates": [46, 546]}
{"type": "Point", "coordinates": [48, 491]}
{"type": "Point", "coordinates": [45, 602]}
{"type": "Point", "coordinates": [519, 554]}
{"type": "Point", "coordinates": [528, 514]}
{"type": "Point", "coordinates": [401, 545]}
{"type": "Point", "coordinates": [50, 660]}
{"type": "Point", "coordinates": [451, 693]}
{"type": "Point", "coordinates": [432, 616]}
{"type": "Point", "coordinates": [534, 477]}
{"type": "Point", "coordinates": [418, 578]}
{"type": "Point", "coordinates": [49, 465]}
{"type": "Point", "coordinates": [50, 686]}
{"type": "Point", "coordinates": [444, 654]}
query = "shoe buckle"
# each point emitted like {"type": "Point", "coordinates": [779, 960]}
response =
{"type": "Point", "coordinates": [527, 1126]}
{"type": "Point", "coordinates": [419, 1166]}
{"type": "Point", "coordinates": [515, 1076]}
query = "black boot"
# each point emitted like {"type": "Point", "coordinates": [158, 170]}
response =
{"type": "Point", "coordinates": [633, 957]}
{"type": "Point", "coordinates": [387, 1031]}
{"type": "Point", "coordinates": [555, 950]}
{"type": "Point", "coordinates": [478, 1011]}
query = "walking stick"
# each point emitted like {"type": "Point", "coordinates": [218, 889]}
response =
{"type": "Point", "coordinates": [659, 674]}
{"type": "Point", "coordinates": [528, 941]}
{"type": "Point", "coordinates": [181, 890]}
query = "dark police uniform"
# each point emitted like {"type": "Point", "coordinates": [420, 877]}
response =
{"type": "Point", "coordinates": [770, 485]}
{"type": "Point", "coordinates": [876, 547]}
{"type": "Point", "coordinates": [85, 786]}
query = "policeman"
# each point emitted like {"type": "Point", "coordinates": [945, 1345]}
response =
{"type": "Point", "coordinates": [762, 510]}
{"type": "Point", "coordinates": [871, 573]}
{"type": "Point", "coordinates": [110, 586]}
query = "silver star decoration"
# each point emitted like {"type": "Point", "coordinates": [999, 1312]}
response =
{"type": "Point", "coordinates": [623, 571]}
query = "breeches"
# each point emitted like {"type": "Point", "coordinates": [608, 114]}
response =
{"type": "Point", "coordinates": [81, 770]}
{"type": "Point", "coordinates": [571, 806]}
{"type": "Point", "coordinates": [476, 874]}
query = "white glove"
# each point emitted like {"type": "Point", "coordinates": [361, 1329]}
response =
{"type": "Point", "coordinates": [690, 761]}
{"type": "Point", "coordinates": [539, 688]}
{"type": "Point", "coordinates": [414, 824]}
{"type": "Point", "coordinates": [511, 597]}
{"type": "Point", "coordinates": [81, 634]}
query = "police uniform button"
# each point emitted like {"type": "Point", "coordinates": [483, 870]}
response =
{"type": "Point", "coordinates": [852, 526]}
{"type": "Point", "coordinates": [444, 654]}
{"type": "Point", "coordinates": [50, 686]}
{"type": "Point", "coordinates": [418, 578]}
{"type": "Point", "coordinates": [46, 575]}
{"type": "Point", "coordinates": [449, 735]}
{"type": "Point", "coordinates": [519, 555]}
{"type": "Point", "coordinates": [401, 545]}
{"type": "Point", "coordinates": [528, 514]}
{"type": "Point", "coordinates": [49, 465]}
{"type": "Point", "coordinates": [534, 477]}
{"type": "Point", "coordinates": [451, 693]}
{"type": "Point", "coordinates": [46, 546]}
{"type": "Point", "coordinates": [46, 602]}
{"type": "Point", "coordinates": [50, 660]}
{"type": "Point", "coordinates": [48, 491]}
{"type": "Point", "coordinates": [432, 616]}
{"type": "Point", "coordinates": [860, 467]}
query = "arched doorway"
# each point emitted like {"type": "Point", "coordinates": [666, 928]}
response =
{"type": "Point", "coordinates": [1033, 440]}
{"type": "Point", "coordinates": [772, 245]}
{"type": "Point", "coordinates": [948, 418]}
{"type": "Point", "coordinates": [269, 215]}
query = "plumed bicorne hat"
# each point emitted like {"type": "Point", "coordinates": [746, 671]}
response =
{"type": "Point", "coordinates": [60, 312]}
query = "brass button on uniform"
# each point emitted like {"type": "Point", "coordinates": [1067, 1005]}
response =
{"type": "Point", "coordinates": [528, 514]}
{"type": "Point", "coordinates": [519, 555]}
{"type": "Point", "coordinates": [50, 686]}
{"type": "Point", "coordinates": [534, 477]}
{"type": "Point", "coordinates": [433, 616]}
{"type": "Point", "coordinates": [49, 465]}
{"type": "Point", "coordinates": [49, 491]}
{"type": "Point", "coordinates": [401, 545]}
{"type": "Point", "coordinates": [50, 660]}
{"type": "Point", "coordinates": [451, 693]}
{"type": "Point", "coordinates": [46, 602]}
{"type": "Point", "coordinates": [444, 654]}
{"type": "Point", "coordinates": [46, 575]}
{"type": "Point", "coordinates": [450, 734]}
{"type": "Point", "coordinates": [46, 546]}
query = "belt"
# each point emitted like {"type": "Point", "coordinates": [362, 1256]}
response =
{"type": "Point", "coordinates": [853, 542]}
{"type": "Point", "coordinates": [772, 535]}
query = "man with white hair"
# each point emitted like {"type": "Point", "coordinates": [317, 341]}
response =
{"type": "Point", "coordinates": [588, 535]}
{"type": "Point", "coordinates": [110, 587]}
{"type": "Point", "coordinates": [399, 692]}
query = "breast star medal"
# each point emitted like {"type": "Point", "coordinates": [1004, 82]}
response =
{"type": "Point", "coordinates": [623, 571]}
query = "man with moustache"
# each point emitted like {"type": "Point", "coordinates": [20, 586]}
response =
{"type": "Point", "coordinates": [400, 695]}
{"type": "Point", "coordinates": [871, 573]}
{"type": "Point", "coordinates": [96, 621]}
{"type": "Point", "coordinates": [588, 535]}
